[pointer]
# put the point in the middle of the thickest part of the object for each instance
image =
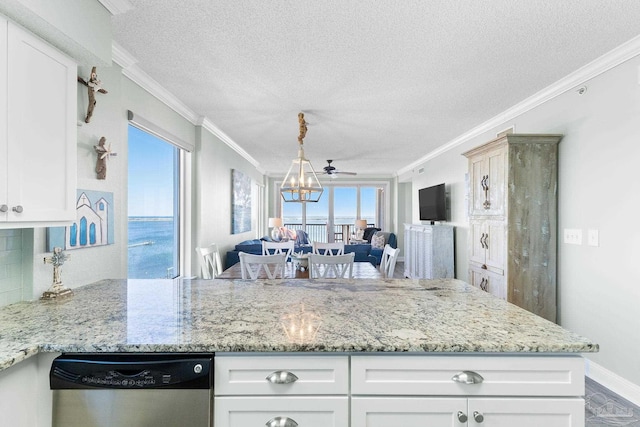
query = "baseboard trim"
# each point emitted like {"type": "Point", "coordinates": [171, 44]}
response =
{"type": "Point", "coordinates": [613, 382]}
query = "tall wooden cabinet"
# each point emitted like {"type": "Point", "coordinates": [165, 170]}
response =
{"type": "Point", "coordinates": [38, 87]}
{"type": "Point", "coordinates": [513, 220]}
{"type": "Point", "coordinates": [428, 251]}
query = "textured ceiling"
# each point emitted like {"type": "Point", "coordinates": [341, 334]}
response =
{"type": "Point", "coordinates": [381, 83]}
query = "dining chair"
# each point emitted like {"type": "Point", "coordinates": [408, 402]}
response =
{"type": "Point", "coordinates": [251, 265]}
{"type": "Point", "coordinates": [331, 266]}
{"type": "Point", "coordinates": [320, 248]}
{"type": "Point", "coordinates": [276, 248]}
{"type": "Point", "coordinates": [210, 262]}
{"type": "Point", "coordinates": [388, 262]}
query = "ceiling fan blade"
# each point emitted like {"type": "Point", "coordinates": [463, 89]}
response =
{"type": "Point", "coordinates": [345, 173]}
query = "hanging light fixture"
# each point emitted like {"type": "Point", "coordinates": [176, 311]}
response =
{"type": "Point", "coordinates": [301, 183]}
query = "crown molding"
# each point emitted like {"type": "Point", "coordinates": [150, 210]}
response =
{"type": "Point", "coordinates": [116, 6]}
{"type": "Point", "coordinates": [611, 59]}
{"type": "Point", "coordinates": [131, 70]}
{"type": "Point", "coordinates": [216, 131]}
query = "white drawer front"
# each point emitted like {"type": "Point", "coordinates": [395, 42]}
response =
{"type": "Point", "coordinates": [406, 412]}
{"type": "Point", "coordinates": [247, 375]}
{"type": "Point", "coordinates": [306, 411]}
{"type": "Point", "coordinates": [502, 375]}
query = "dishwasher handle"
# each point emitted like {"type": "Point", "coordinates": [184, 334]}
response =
{"type": "Point", "coordinates": [131, 371]}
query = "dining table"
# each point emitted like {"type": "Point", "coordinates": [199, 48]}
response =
{"type": "Point", "coordinates": [361, 270]}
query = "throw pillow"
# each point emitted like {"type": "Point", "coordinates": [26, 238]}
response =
{"type": "Point", "coordinates": [377, 242]}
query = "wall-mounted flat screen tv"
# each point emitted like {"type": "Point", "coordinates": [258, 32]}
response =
{"type": "Point", "coordinates": [433, 203]}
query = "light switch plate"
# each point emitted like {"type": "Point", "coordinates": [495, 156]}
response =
{"type": "Point", "coordinates": [593, 238]}
{"type": "Point", "coordinates": [573, 236]}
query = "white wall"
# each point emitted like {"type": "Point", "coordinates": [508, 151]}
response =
{"type": "Point", "coordinates": [598, 287]}
{"type": "Point", "coordinates": [212, 189]}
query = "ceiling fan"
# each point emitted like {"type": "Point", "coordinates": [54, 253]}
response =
{"type": "Point", "coordinates": [333, 172]}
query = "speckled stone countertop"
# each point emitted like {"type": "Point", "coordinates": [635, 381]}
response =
{"type": "Point", "coordinates": [278, 316]}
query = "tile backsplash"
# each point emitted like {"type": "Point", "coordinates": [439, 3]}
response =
{"type": "Point", "coordinates": [11, 256]}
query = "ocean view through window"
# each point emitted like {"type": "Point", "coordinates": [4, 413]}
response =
{"type": "Point", "coordinates": [153, 246]}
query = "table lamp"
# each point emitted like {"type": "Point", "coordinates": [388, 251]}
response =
{"type": "Point", "coordinates": [361, 224]}
{"type": "Point", "coordinates": [275, 224]}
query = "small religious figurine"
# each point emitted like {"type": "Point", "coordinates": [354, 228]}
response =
{"type": "Point", "coordinates": [57, 290]}
{"type": "Point", "coordinates": [103, 154]}
{"type": "Point", "coordinates": [93, 85]}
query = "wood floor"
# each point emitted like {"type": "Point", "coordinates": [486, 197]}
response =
{"type": "Point", "coordinates": [605, 408]}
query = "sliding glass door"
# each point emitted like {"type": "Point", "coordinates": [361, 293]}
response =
{"type": "Point", "coordinates": [154, 220]}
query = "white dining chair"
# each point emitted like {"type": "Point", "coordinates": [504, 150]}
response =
{"type": "Point", "coordinates": [331, 266]}
{"type": "Point", "coordinates": [251, 265]}
{"type": "Point", "coordinates": [321, 248]}
{"type": "Point", "coordinates": [210, 262]}
{"type": "Point", "coordinates": [388, 261]}
{"type": "Point", "coordinates": [276, 248]}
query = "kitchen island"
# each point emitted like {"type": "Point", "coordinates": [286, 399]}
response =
{"type": "Point", "coordinates": [362, 327]}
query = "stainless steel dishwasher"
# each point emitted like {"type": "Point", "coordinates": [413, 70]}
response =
{"type": "Point", "coordinates": [136, 390]}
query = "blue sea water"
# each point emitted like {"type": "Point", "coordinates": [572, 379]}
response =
{"type": "Point", "coordinates": [152, 253]}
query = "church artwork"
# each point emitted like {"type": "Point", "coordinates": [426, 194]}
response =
{"type": "Point", "coordinates": [93, 225]}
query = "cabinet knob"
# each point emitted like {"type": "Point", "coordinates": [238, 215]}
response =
{"type": "Point", "coordinates": [281, 377]}
{"type": "Point", "coordinates": [478, 417]}
{"type": "Point", "coordinates": [468, 377]}
{"type": "Point", "coordinates": [281, 422]}
{"type": "Point", "coordinates": [17, 209]}
{"type": "Point", "coordinates": [462, 417]}
{"type": "Point", "coordinates": [4, 208]}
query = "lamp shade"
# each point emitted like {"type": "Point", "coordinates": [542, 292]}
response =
{"type": "Point", "coordinates": [361, 224]}
{"type": "Point", "coordinates": [275, 222]}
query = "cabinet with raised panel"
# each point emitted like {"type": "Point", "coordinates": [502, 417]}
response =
{"type": "Point", "coordinates": [513, 215]}
{"type": "Point", "coordinates": [458, 391]}
{"type": "Point", "coordinates": [38, 155]}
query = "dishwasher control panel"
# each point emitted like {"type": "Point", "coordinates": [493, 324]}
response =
{"type": "Point", "coordinates": [131, 371]}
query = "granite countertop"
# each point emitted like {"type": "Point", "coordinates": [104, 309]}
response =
{"type": "Point", "coordinates": [278, 316]}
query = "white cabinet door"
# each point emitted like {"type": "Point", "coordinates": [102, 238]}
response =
{"type": "Point", "coordinates": [41, 132]}
{"type": "Point", "coordinates": [407, 412]}
{"type": "Point", "coordinates": [488, 182]}
{"type": "Point", "coordinates": [307, 411]}
{"type": "Point", "coordinates": [487, 244]}
{"type": "Point", "coordinates": [504, 412]}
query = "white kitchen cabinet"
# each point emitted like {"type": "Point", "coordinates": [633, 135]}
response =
{"type": "Point", "coordinates": [513, 220]}
{"type": "Point", "coordinates": [38, 157]}
{"type": "Point", "coordinates": [460, 412]}
{"type": "Point", "coordinates": [491, 391]}
{"type": "Point", "coordinates": [308, 390]}
{"type": "Point", "coordinates": [307, 411]}
{"type": "Point", "coordinates": [428, 251]}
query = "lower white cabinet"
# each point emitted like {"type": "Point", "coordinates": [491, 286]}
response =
{"type": "Point", "coordinates": [303, 411]}
{"type": "Point", "coordinates": [408, 390]}
{"type": "Point", "coordinates": [472, 412]}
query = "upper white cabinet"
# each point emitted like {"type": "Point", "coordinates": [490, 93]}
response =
{"type": "Point", "coordinates": [37, 124]}
{"type": "Point", "coordinates": [513, 210]}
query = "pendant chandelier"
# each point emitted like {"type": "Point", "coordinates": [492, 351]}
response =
{"type": "Point", "coordinates": [301, 183]}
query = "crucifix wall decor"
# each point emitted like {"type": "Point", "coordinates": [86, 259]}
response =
{"type": "Point", "coordinates": [57, 290]}
{"type": "Point", "coordinates": [93, 85]}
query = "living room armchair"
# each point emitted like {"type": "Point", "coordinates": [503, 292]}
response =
{"type": "Point", "coordinates": [378, 241]}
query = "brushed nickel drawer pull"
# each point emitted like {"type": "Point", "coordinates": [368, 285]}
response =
{"type": "Point", "coordinates": [468, 377]}
{"type": "Point", "coordinates": [281, 377]}
{"type": "Point", "coordinates": [281, 422]}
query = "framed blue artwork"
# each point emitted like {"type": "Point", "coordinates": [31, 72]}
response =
{"type": "Point", "coordinates": [241, 202]}
{"type": "Point", "coordinates": [93, 225]}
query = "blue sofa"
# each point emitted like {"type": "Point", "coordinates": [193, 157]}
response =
{"type": "Point", "coordinates": [363, 252]}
